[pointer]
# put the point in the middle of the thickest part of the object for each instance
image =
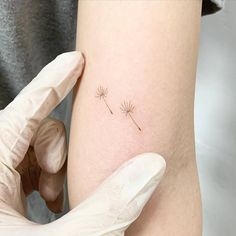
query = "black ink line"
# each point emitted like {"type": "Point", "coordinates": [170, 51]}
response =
{"type": "Point", "coordinates": [128, 108]}
{"type": "Point", "coordinates": [102, 94]}
{"type": "Point", "coordinates": [107, 105]}
{"type": "Point", "coordinates": [134, 122]}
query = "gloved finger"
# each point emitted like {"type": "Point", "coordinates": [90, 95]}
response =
{"type": "Point", "coordinates": [50, 145]}
{"type": "Point", "coordinates": [51, 189]}
{"type": "Point", "coordinates": [118, 201]}
{"type": "Point", "coordinates": [20, 119]}
{"type": "Point", "coordinates": [57, 205]}
{"type": "Point", "coordinates": [50, 148]}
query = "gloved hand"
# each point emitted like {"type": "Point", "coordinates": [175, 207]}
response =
{"type": "Point", "coordinates": [27, 135]}
{"type": "Point", "coordinates": [44, 166]}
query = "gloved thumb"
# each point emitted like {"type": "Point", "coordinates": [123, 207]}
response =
{"type": "Point", "coordinates": [117, 202]}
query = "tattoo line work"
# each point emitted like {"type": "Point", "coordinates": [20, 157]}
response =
{"type": "Point", "coordinates": [102, 94]}
{"type": "Point", "coordinates": [127, 108]}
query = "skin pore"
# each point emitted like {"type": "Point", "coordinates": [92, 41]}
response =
{"type": "Point", "coordinates": [137, 95]}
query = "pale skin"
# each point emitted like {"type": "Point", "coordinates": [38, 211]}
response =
{"type": "Point", "coordinates": [144, 52]}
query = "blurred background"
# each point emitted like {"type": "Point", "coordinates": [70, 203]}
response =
{"type": "Point", "coordinates": [215, 121]}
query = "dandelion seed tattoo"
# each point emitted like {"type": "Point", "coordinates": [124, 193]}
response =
{"type": "Point", "coordinates": [102, 94]}
{"type": "Point", "coordinates": [127, 108]}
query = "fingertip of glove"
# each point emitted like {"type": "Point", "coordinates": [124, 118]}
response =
{"type": "Point", "coordinates": [74, 57]}
{"type": "Point", "coordinates": [152, 162]}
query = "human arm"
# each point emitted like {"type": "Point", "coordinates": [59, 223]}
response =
{"type": "Point", "coordinates": [144, 52]}
{"type": "Point", "coordinates": [28, 139]}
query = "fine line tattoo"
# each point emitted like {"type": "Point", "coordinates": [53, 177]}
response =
{"type": "Point", "coordinates": [127, 108]}
{"type": "Point", "coordinates": [101, 93]}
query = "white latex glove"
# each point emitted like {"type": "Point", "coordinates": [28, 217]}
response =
{"type": "Point", "coordinates": [43, 168]}
{"type": "Point", "coordinates": [116, 203]}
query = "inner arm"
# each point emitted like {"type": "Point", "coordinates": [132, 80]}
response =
{"type": "Point", "coordinates": [136, 95]}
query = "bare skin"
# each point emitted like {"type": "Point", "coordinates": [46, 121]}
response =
{"type": "Point", "coordinates": [144, 52]}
